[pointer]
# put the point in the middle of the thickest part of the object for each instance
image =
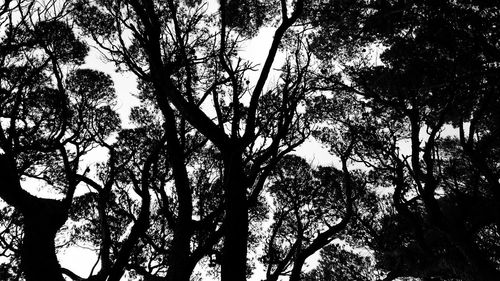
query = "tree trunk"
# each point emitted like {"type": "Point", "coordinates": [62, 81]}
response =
{"type": "Point", "coordinates": [38, 254]}
{"type": "Point", "coordinates": [180, 264]}
{"type": "Point", "coordinates": [297, 269]}
{"type": "Point", "coordinates": [234, 252]}
{"type": "Point", "coordinates": [180, 269]}
{"type": "Point", "coordinates": [42, 219]}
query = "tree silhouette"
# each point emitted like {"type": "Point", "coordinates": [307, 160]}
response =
{"type": "Point", "coordinates": [312, 207]}
{"type": "Point", "coordinates": [434, 78]}
{"type": "Point", "coordinates": [189, 69]}
{"type": "Point", "coordinates": [337, 263]}
{"type": "Point", "coordinates": [403, 95]}
{"type": "Point", "coordinates": [50, 120]}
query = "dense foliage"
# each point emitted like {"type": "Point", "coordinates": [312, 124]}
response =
{"type": "Point", "coordinates": [205, 179]}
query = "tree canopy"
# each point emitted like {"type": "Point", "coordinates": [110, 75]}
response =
{"type": "Point", "coordinates": [206, 179]}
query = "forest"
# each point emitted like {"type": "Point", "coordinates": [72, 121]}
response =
{"type": "Point", "coordinates": [202, 180]}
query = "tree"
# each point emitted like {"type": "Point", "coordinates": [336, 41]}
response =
{"type": "Point", "coordinates": [437, 62]}
{"type": "Point", "coordinates": [312, 207]}
{"type": "Point", "coordinates": [338, 263]}
{"type": "Point", "coordinates": [186, 182]}
{"type": "Point", "coordinates": [435, 76]}
{"type": "Point", "coordinates": [191, 68]}
{"type": "Point", "coordinates": [49, 122]}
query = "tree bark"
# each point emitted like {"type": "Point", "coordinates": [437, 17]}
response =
{"type": "Point", "coordinates": [42, 219]}
{"type": "Point", "coordinates": [234, 252]}
{"type": "Point", "coordinates": [297, 269]}
{"type": "Point", "coordinates": [180, 269]}
{"type": "Point", "coordinates": [180, 265]}
{"type": "Point", "coordinates": [38, 254]}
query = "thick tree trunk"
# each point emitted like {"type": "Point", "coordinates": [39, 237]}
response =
{"type": "Point", "coordinates": [234, 253]}
{"type": "Point", "coordinates": [180, 265]}
{"type": "Point", "coordinates": [180, 269]}
{"type": "Point", "coordinates": [38, 254]}
{"type": "Point", "coordinates": [297, 269]}
{"type": "Point", "coordinates": [42, 219]}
